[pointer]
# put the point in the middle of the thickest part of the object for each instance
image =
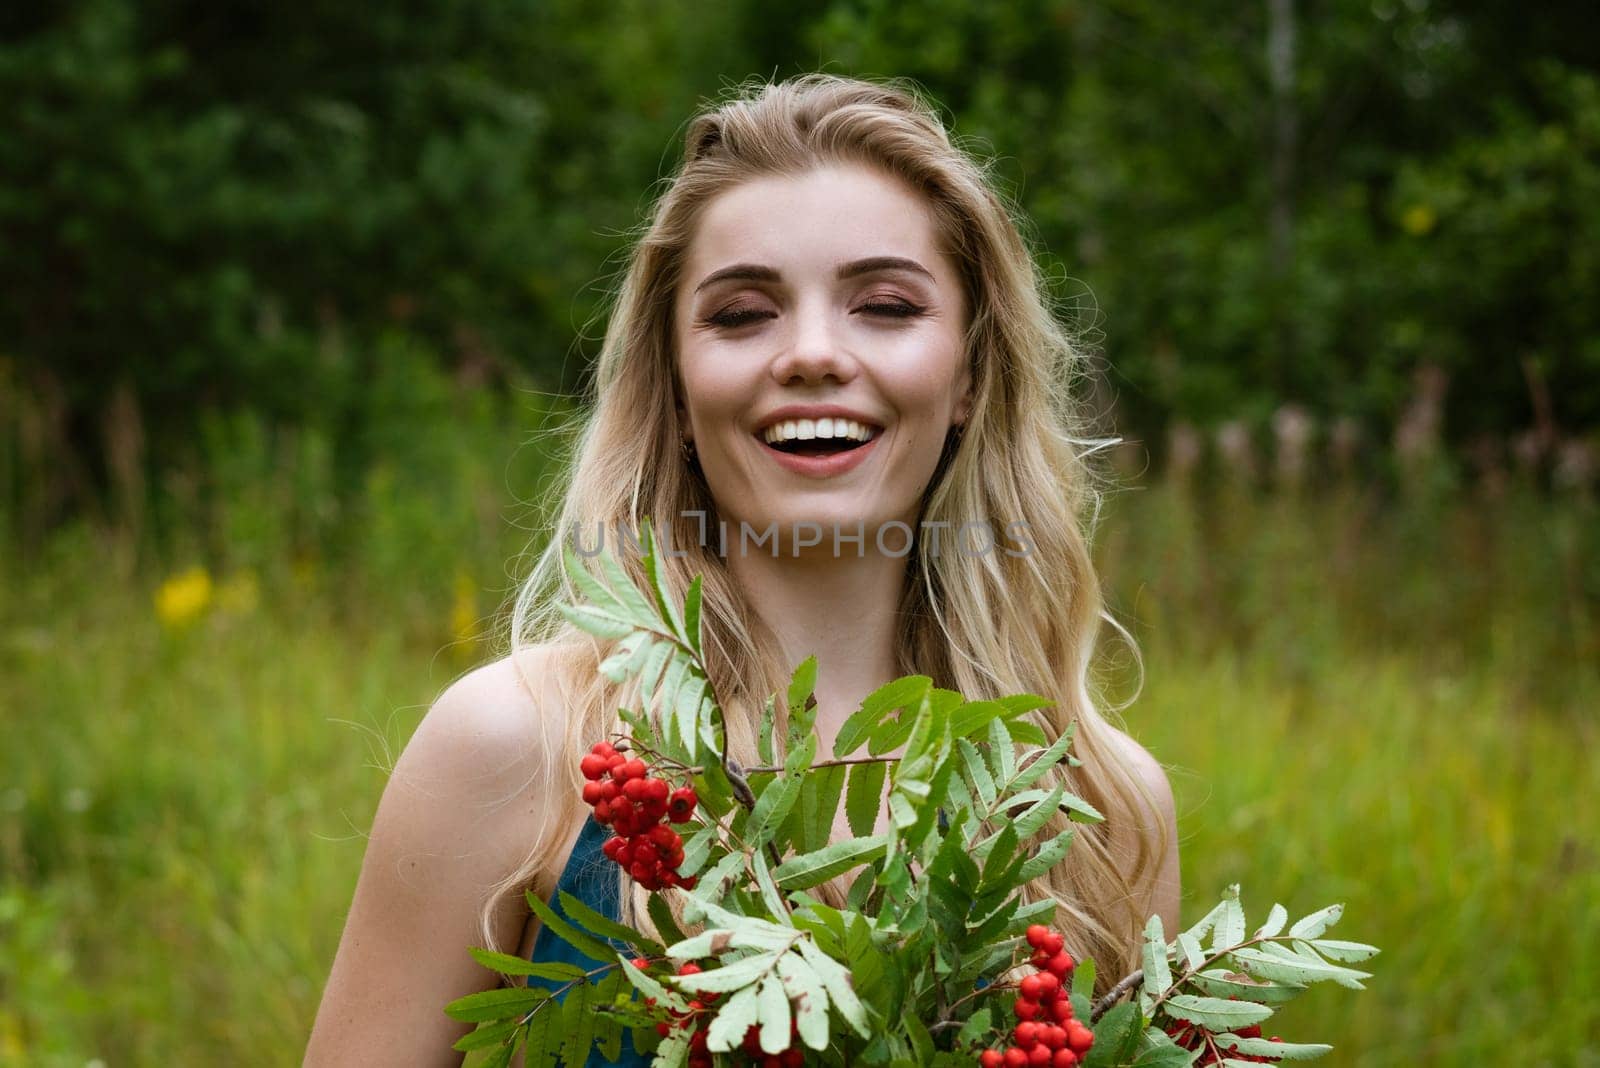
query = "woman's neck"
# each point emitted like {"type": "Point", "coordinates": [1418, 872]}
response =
{"type": "Point", "coordinates": [843, 609]}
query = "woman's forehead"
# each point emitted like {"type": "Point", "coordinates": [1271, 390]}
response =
{"type": "Point", "coordinates": [813, 221]}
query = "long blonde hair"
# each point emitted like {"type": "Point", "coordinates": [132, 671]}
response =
{"type": "Point", "coordinates": [986, 625]}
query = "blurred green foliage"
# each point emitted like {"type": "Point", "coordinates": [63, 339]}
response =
{"type": "Point", "coordinates": [248, 206]}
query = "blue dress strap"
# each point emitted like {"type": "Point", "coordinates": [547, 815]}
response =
{"type": "Point", "coordinates": [591, 877]}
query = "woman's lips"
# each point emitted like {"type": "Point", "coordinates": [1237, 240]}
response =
{"type": "Point", "coordinates": [822, 466]}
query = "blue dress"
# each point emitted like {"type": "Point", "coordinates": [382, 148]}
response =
{"type": "Point", "coordinates": [591, 877]}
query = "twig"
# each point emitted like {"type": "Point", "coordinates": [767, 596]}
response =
{"type": "Point", "coordinates": [1115, 994]}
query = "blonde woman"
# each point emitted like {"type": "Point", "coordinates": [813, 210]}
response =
{"type": "Point", "coordinates": [833, 380]}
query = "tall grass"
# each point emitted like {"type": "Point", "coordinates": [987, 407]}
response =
{"type": "Point", "coordinates": [1389, 701]}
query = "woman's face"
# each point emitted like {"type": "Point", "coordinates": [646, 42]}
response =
{"type": "Point", "coordinates": [818, 328]}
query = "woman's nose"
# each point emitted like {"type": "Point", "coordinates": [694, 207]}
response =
{"type": "Point", "coordinates": [813, 351]}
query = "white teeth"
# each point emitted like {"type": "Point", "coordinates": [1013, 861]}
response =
{"type": "Point", "coordinates": [811, 429]}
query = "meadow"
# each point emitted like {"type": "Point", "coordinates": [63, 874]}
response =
{"type": "Point", "coordinates": [1381, 692]}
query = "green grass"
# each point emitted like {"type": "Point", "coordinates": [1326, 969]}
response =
{"type": "Point", "coordinates": [1387, 704]}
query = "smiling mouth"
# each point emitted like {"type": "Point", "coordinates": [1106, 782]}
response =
{"type": "Point", "coordinates": [821, 437]}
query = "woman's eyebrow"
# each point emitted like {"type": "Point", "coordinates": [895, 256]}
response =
{"type": "Point", "coordinates": [754, 272]}
{"type": "Point", "coordinates": [882, 263]}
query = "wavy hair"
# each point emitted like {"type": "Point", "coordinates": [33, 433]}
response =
{"type": "Point", "coordinates": [985, 625]}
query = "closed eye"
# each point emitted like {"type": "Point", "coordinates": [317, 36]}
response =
{"type": "Point", "coordinates": [737, 317]}
{"type": "Point", "coordinates": [895, 309]}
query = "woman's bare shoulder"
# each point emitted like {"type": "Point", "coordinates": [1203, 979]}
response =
{"type": "Point", "coordinates": [501, 719]}
{"type": "Point", "coordinates": [466, 805]}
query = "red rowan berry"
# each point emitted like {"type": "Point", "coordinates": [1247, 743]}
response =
{"type": "Point", "coordinates": [1025, 1009]}
{"type": "Point", "coordinates": [680, 806]}
{"type": "Point", "coordinates": [592, 766]}
{"type": "Point", "coordinates": [1037, 934]}
{"type": "Point", "coordinates": [1030, 988]}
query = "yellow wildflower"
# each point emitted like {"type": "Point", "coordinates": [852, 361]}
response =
{"type": "Point", "coordinates": [184, 597]}
{"type": "Point", "coordinates": [1419, 219]}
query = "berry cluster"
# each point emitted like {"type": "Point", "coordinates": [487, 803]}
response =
{"type": "Point", "coordinates": [698, 1018]}
{"type": "Point", "coordinates": [1193, 1036]}
{"type": "Point", "coordinates": [1046, 1033]}
{"type": "Point", "coordinates": [632, 803]}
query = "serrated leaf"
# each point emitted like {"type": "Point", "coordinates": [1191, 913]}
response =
{"type": "Point", "coordinates": [500, 1058]}
{"type": "Point", "coordinates": [1275, 921]}
{"type": "Point", "coordinates": [580, 913]}
{"type": "Point", "coordinates": [976, 1027]}
{"type": "Point", "coordinates": [1049, 855]}
{"type": "Point", "coordinates": [1163, 1054]}
{"type": "Point", "coordinates": [577, 1021]}
{"type": "Point", "coordinates": [593, 590]}
{"type": "Point", "coordinates": [805, 989]}
{"type": "Point", "coordinates": [495, 1004]}
{"type": "Point", "coordinates": [1229, 930]}
{"type": "Point", "coordinates": [1190, 947]}
{"type": "Point", "coordinates": [650, 674]}
{"type": "Point", "coordinates": [1045, 760]}
{"type": "Point", "coordinates": [1313, 925]}
{"type": "Point", "coordinates": [977, 772]}
{"type": "Point", "coordinates": [487, 1035]}
{"type": "Point", "coordinates": [1267, 966]}
{"type": "Point", "coordinates": [818, 866]}
{"type": "Point", "coordinates": [772, 807]}
{"type": "Point", "coordinates": [507, 964]}
{"type": "Point", "coordinates": [1261, 1047]}
{"type": "Point", "coordinates": [1216, 1014]}
{"type": "Point", "coordinates": [1002, 751]}
{"type": "Point", "coordinates": [696, 849]}
{"type": "Point", "coordinates": [661, 915]}
{"type": "Point", "coordinates": [1038, 813]}
{"type": "Point", "coordinates": [559, 926]}
{"type": "Point", "coordinates": [1116, 1036]}
{"type": "Point", "coordinates": [592, 620]}
{"type": "Point", "coordinates": [772, 1013]}
{"type": "Point", "coordinates": [819, 806]}
{"type": "Point", "coordinates": [691, 615]}
{"type": "Point", "coordinates": [715, 883]}
{"type": "Point", "coordinates": [733, 1020]}
{"type": "Point", "coordinates": [1207, 922]}
{"type": "Point", "coordinates": [1344, 951]}
{"type": "Point", "coordinates": [647, 985]}
{"type": "Point", "coordinates": [1157, 973]}
{"type": "Point", "coordinates": [1221, 983]}
{"type": "Point", "coordinates": [836, 980]}
{"type": "Point", "coordinates": [769, 727]}
{"type": "Point", "coordinates": [885, 699]}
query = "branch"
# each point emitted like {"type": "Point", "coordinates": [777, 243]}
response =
{"type": "Point", "coordinates": [1116, 993]}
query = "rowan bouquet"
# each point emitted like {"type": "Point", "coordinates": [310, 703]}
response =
{"type": "Point", "coordinates": [935, 958]}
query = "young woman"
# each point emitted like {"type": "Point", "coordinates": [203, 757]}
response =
{"type": "Point", "coordinates": [833, 371]}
